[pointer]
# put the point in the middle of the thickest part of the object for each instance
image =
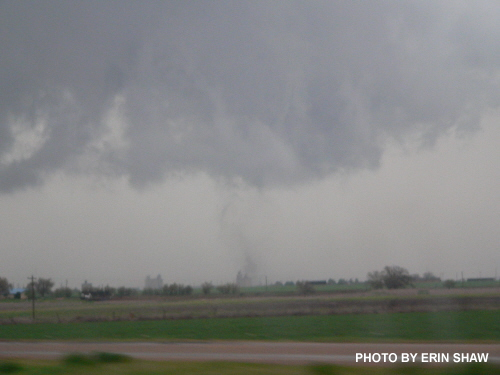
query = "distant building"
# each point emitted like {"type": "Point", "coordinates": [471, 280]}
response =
{"type": "Point", "coordinates": [480, 279]}
{"type": "Point", "coordinates": [156, 283]}
{"type": "Point", "coordinates": [243, 280]}
{"type": "Point", "coordinates": [17, 293]}
{"type": "Point", "coordinates": [86, 286]}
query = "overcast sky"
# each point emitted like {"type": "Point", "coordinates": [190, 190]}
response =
{"type": "Point", "coordinates": [287, 139]}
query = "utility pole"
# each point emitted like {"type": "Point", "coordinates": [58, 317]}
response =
{"type": "Point", "coordinates": [33, 294]}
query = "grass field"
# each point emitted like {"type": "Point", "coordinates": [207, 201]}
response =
{"type": "Point", "coordinates": [431, 326]}
{"type": "Point", "coordinates": [71, 366]}
{"type": "Point", "coordinates": [196, 307]}
{"type": "Point", "coordinates": [361, 286]}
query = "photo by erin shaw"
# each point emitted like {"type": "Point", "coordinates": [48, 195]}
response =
{"type": "Point", "coordinates": [422, 357]}
{"type": "Point", "coordinates": [79, 363]}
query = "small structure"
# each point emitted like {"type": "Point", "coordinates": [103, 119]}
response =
{"type": "Point", "coordinates": [154, 284]}
{"type": "Point", "coordinates": [18, 293]}
{"type": "Point", "coordinates": [480, 279]}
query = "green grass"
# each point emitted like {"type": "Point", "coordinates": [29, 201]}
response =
{"type": "Point", "coordinates": [440, 326]}
{"type": "Point", "coordinates": [136, 367]}
{"type": "Point", "coordinates": [361, 286]}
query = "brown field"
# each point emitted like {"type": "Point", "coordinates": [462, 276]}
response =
{"type": "Point", "coordinates": [194, 307]}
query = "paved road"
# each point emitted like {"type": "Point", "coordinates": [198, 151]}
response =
{"type": "Point", "coordinates": [264, 352]}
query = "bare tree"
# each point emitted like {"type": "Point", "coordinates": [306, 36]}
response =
{"type": "Point", "coordinates": [4, 286]}
{"type": "Point", "coordinates": [44, 286]}
{"type": "Point", "coordinates": [391, 277]}
{"type": "Point", "coordinates": [206, 287]}
{"type": "Point", "coordinates": [229, 288]}
{"type": "Point", "coordinates": [376, 279]}
{"type": "Point", "coordinates": [396, 277]}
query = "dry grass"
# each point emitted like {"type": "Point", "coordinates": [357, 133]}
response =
{"type": "Point", "coordinates": [408, 300]}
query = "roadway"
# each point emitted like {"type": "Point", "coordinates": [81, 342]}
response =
{"type": "Point", "coordinates": [249, 351]}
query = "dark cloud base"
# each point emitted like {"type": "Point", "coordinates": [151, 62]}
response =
{"type": "Point", "coordinates": [272, 93]}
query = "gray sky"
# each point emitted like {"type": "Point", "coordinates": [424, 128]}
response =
{"type": "Point", "coordinates": [293, 140]}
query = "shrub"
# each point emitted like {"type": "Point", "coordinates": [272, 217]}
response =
{"type": "Point", "coordinates": [77, 359]}
{"type": "Point", "coordinates": [449, 284]}
{"type": "Point", "coordinates": [376, 279]}
{"type": "Point", "coordinates": [63, 293]}
{"type": "Point", "coordinates": [177, 290]}
{"type": "Point", "coordinates": [305, 287]}
{"type": "Point", "coordinates": [152, 292]}
{"type": "Point", "coordinates": [228, 288]}
{"type": "Point", "coordinates": [10, 367]}
{"type": "Point", "coordinates": [126, 292]}
{"type": "Point", "coordinates": [104, 357]}
{"type": "Point", "coordinates": [325, 369]}
{"type": "Point", "coordinates": [206, 287]}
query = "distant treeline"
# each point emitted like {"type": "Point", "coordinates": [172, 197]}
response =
{"type": "Point", "coordinates": [391, 277]}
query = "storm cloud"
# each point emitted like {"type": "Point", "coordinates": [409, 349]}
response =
{"type": "Point", "coordinates": [270, 93]}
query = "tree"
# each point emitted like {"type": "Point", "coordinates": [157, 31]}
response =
{"type": "Point", "coordinates": [63, 292]}
{"type": "Point", "coordinates": [126, 292]}
{"type": "Point", "coordinates": [391, 277]}
{"type": "Point", "coordinates": [44, 286]}
{"type": "Point", "coordinates": [229, 288]}
{"type": "Point", "coordinates": [305, 287]}
{"type": "Point", "coordinates": [177, 290]}
{"type": "Point", "coordinates": [376, 279]}
{"type": "Point", "coordinates": [206, 287]}
{"type": "Point", "coordinates": [342, 282]}
{"type": "Point", "coordinates": [396, 277]}
{"type": "Point", "coordinates": [152, 292]}
{"type": "Point", "coordinates": [4, 286]}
